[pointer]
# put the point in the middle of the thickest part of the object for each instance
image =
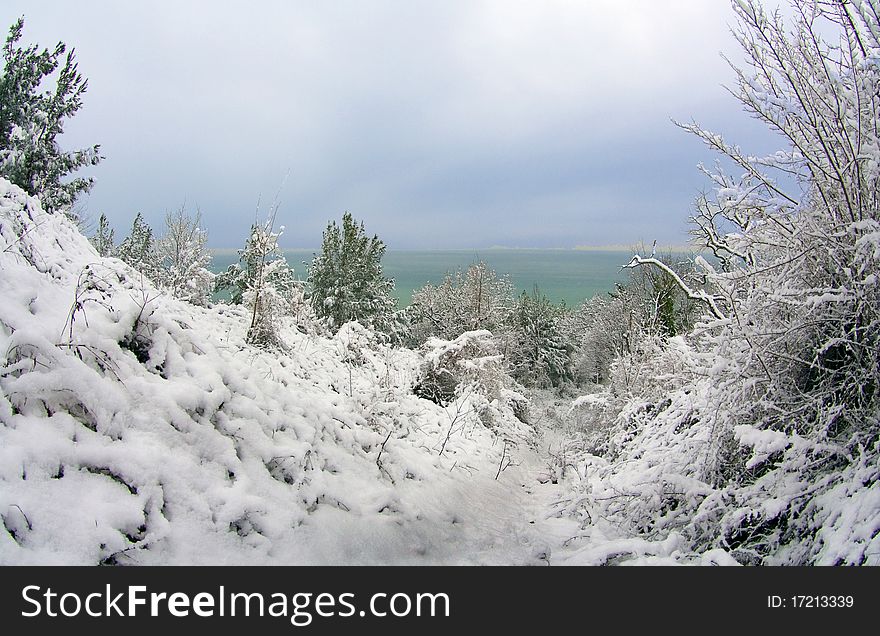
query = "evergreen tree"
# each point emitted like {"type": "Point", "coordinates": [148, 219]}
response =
{"type": "Point", "coordinates": [103, 239]}
{"type": "Point", "coordinates": [138, 250]}
{"type": "Point", "coordinates": [346, 280]}
{"type": "Point", "coordinates": [184, 259]}
{"type": "Point", "coordinates": [538, 352]}
{"type": "Point", "coordinates": [31, 121]}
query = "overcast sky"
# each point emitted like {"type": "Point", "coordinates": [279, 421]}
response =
{"type": "Point", "coordinates": [440, 124]}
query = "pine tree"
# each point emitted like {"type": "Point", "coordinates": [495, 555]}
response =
{"type": "Point", "coordinates": [538, 352]}
{"type": "Point", "coordinates": [346, 280]}
{"type": "Point", "coordinates": [138, 250]}
{"type": "Point", "coordinates": [31, 121]}
{"type": "Point", "coordinates": [103, 239]}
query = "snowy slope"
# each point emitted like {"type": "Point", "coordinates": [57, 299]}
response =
{"type": "Point", "coordinates": [137, 429]}
{"type": "Point", "coordinates": [637, 485]}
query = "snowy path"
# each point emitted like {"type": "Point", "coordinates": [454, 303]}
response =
{"type": "Point", "coordinates": [495, 522]}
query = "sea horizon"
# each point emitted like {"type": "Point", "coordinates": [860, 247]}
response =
{"type": "Point", "coordinates": [563, 275]}
{"type": "Point", "coordinates": [674, 248]}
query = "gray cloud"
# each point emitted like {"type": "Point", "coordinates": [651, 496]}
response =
{"type": "Point", "coordinates": [441, 124]}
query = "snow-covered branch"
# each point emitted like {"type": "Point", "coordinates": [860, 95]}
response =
{"type": "Point", "coordinates": [699, 294]}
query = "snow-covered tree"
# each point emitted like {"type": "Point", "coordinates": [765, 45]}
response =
{"type": "Point", "coordinates": [138, 248]}
{"type": "Point", "coordinates": [759, 434]}
{"type": "Point", "coordinates": [263, 281]}
{"type": "Point", "coordinates": [103, 239]}
{"type": "Point", "coordinates": [264, 295]}
{"type": "Point", "coordinates": [653, 297]}
{"type": "Point", "coordinates": [797, 290]}
{"type": "Point", "coordinates": [538, 353]}
{"type": "Point", "coordinates": [32, 119]}
{"type": "Point", "coordinates": [346, 281]}
{"type": "Point", "coordinates": [599, 330]}
{"type": "Point", "coordinates": [467, 300]}
{"type": "Point", "coordinates": [184, 259]}
{"type": "Point", "coordinates": [647, 307]}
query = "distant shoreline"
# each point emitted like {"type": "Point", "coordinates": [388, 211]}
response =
{"type": "Point", "coordinates": [677, 249]}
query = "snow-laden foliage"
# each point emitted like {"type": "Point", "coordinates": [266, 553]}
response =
{"type": "Point", "coordinates": [32, 119]}
{"type": "Point", "coordinates": [184, 258]}
{"type": "Point", "coordinates": [526, 329]}
{"type": "Point", "coordinates": [648, 305]}
{"type": "Point", "coordinates": [264, 282]}
{"type": "Point", "coordinates": [758, 433]}
{"type": "Point", "coordinates": [138, 249]}
{"type": "Point", "coordinates": [346, 281]}
{"type": "Point", "coordinates": [470, 372]}
{"type": "Point", "coordinates": [598, 328]}
{"type": "Point", "coordinates": [264, 294]}
{"type": "Point", "coordinates": [139, 429]}
{"type": "Point", "coordinates": [467, 300]}
{"type": "Point", "coordinates": [104, 239]}
{"type": "Point", "coordinates": [538, 352]}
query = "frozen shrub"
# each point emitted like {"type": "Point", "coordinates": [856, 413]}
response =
{"type": "Point", "coordinates": [472, 359]}
{"type": "Point", "coordinates": [470, 368]}
{"type": "Point", "coordinates": [467, 300]}
{"type": "Point", "coordinates": [183, 258]}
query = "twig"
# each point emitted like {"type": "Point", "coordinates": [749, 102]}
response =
{"type": "Point", "coordinates": [27, 521]}
{"type": "Point", "coordinates": [382, 448]}
{"type": "Point", "coordinates": [501, 463]}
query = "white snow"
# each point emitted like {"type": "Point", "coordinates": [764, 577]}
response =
{"type": "Point", "coordinates": [138, 429]}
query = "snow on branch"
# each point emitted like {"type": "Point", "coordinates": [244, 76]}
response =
{"type": "Point", "coordinates": [695, 295]}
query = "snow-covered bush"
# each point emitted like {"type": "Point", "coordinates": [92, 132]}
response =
{"type": "Point", "coordinates": [264, 295]}
{"type": "Point", "coordinates": [537, 351]}
{"type": "Point", "coordinates": [472, 366]}
{"type": "Point", "coordinates": [471, 359]}
{"type": "Point", "coordinates": [467, 300]}
{"type": "Point", "coordinates": [588, 419]}
{"type": "Point", "coordinates": [184, 259]}
{"type": "Point", "coordinates": [354, 340]}
{"type": "Point", "coordinates": [264, 282]}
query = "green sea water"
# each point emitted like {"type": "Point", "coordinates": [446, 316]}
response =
{"type": "Point", "coordinates": [569, 276]}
